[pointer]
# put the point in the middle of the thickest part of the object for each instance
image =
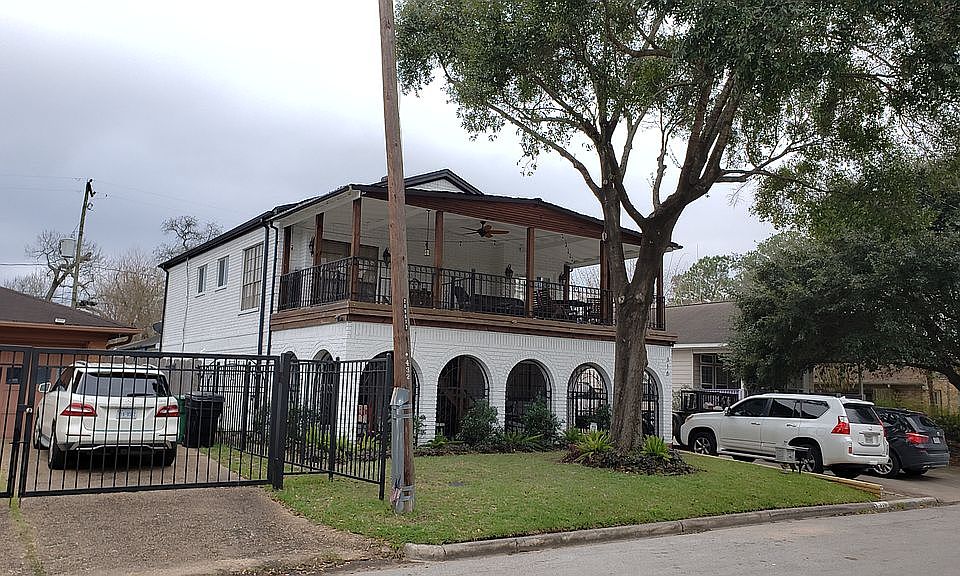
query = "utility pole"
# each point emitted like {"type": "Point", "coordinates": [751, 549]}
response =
{"type": "Point", "coordinates": [88, 193]}
{"type": "Point", "coordinates": [399, 284]}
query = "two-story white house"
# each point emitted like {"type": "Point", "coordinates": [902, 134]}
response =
{"type": "Point", "coordinates": [494, 315]}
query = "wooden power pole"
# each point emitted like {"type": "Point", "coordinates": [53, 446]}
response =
{"type": "Point", "coordinates": [87, 194]}
{"type": "Point", "coordinates": [399, 284]}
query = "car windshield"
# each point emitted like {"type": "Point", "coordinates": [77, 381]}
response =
{"type": "Point", "coordinates": [861, 414]}
{"type": "Point", "coordinates": [121, 384]}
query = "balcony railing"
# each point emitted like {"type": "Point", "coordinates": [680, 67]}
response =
{"type": "Point", "coordinates": [366, 280]}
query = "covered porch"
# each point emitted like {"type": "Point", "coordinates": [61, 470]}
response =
{"type": "Point", "coordinates": [467, 252]}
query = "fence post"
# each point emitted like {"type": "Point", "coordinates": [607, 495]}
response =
{"type": "Point", "coordinates": [23, 421]}
{"type": "Point", "coordinates": [279, 410]}
{"type": "Point", "coordinates": [385, 429]}
{"type": "Point", "coordinates": [334, 414]}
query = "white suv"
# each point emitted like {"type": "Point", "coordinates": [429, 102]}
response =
{"type": "Point", "coordinates": [107, 407]}
{"type": "Point", "coordinates": [842, 434]}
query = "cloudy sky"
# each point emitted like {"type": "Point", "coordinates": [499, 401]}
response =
{"type": "Point", "coordinates": [223, 110]}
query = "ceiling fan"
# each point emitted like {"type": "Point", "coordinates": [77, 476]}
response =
{"type": "Point", "coordinates": [486, 230]}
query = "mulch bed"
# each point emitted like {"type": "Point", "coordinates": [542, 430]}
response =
{"type": "Point", "coordinates": [633, 463]}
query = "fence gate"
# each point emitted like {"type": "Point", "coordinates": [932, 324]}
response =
{"type": "Point", "coordinates": [89, 421]}
{"type": "Point", "coordinates": [338, 417]}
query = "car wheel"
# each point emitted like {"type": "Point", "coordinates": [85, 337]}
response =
{"type": "Point", "coordinates": [811, 461]}
{"type": "Point", "coordinates": [702, 442]}
{"type": "Point", "coordinates": [169, 456]}
{"type": "Point", "coordinates": [37, 444]}
{"type": "Point", "coordinates": [914, 472]}
{"type": "Point", "coordinates": [890, 468]}
{"type": "Point", "coordinates": [56, 457]}
{"type": "Point", "coordinates": [744, 458]}
{"type": "Point", "coordinates": [848, 473]}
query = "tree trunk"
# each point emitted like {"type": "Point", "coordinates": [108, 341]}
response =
{"type": "Point", "coordinates": [633, 310]}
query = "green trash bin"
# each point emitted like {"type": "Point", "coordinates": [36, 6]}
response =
{"type": "Point", "coordinates": [183, 420]}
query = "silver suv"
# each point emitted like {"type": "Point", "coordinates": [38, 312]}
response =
{"type": "Point", "coordinates": [842, 434]}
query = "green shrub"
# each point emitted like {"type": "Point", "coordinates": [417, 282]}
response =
{"type": "Point", "coordinates": [419, 428]}
{"type": "Point", "coordinates": [655, 447]}
{"type": "Point", "coordinates": [518, 442]}
{"type": "Point", "coordinates": [438, 441]}
{"type": "Point", "coordinates": [601, 417]}
{"type": "Point", "coordinates": [479, 424]}
{"type": "Point", "coordinates": [950, 424]}
{"type": "Point", "coordinates": [594, 445]}
{"type": "Point", "coordinates": [540, 421]}
{"type": "Point", "coordinates": [572, 436]}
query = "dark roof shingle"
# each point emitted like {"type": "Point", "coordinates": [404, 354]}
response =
{"type": "Point", "coordinates": [705, 323]}
{"type": "Point", "coordinates": [18, 307]}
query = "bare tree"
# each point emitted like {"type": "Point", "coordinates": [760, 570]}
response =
{"type": "Point", "coordinates": [129, 290]}
{"type": "Point", "coordinates": [45, 249]}
{"type": "Point", "coordinates": [188, 232]}
{"type": "Point", "coordinates": [33, 283]}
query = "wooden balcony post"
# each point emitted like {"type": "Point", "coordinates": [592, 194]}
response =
{"type": "Point", "coordinates": [531, 259]}
{"type": "Point", "coordinates": [317, 238]}
{"type": "Point", "coordinates": [605, 296]}
{"type": "Point", "coordinates": [355, 251]}
{"type": "Point", "coordinates": [287, 248]}
{"type": "Point", "coordinates": [437, 258]}
{"type": "Point", "coordinates": [566, 281]}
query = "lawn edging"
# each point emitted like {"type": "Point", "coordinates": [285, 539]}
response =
{"type": "Point", "coordinates": [430, 552]}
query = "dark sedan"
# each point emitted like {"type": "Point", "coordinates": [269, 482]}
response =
{"type": "Point", "coordinates": [917, 444]}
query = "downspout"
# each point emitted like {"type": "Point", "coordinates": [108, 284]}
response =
{"type": "Point", "coordinates": [163, 313]}
{"type": "Point", "coordinates": [186, 308]}
{"type": "Point", "coordinates": [263, 288]}
{"type": "Point", "coordinates": [273, 284]}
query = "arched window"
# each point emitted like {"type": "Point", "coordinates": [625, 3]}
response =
{"type": "Point", "coordinates": [462, 384]}
{"type": "Point", "coordinates": [650, 404]}
{"type": "Point", "coordinates": [526, 384]}
{"type": "Point", "coordinates": [587, 401]}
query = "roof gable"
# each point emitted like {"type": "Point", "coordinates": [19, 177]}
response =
{"type": "Point", "coordinates": [445, 180]}
{"type": "Point", "coordinates": [704, 323]}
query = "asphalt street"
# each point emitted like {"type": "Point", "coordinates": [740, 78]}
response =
{"type": "Point", "coordinates": [894, 543]}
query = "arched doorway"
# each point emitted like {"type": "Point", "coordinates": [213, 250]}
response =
{"type": "Point", "coordinates": [587, 401]}
{"type": "Point", "coordinates": [370, 404]}
{"type": "Point", "coordinates": [526, 384]}
{"type": "Point", "coordinates": [462, 384]}
{"type": "Point", "coordinates": [650, 404]}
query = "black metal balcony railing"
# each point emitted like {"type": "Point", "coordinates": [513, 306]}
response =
{"type": "Point", "coordinates": [366, 280]}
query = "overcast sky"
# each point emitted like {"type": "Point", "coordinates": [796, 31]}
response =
{"type": "Point", "coordinates": [224, 110]}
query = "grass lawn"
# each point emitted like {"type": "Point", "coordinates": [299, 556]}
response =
{"type": "Point", "coordinates": [482, 496]}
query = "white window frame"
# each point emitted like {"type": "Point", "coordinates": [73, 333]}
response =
{"type": "Point", "coordinates": [251, 281]}
{"type": "Point", "coordinates": [223, 271]}
{"type": "Point", "coordinates": [201, 280]}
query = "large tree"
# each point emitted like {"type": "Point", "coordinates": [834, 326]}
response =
{"type": "Point", "coordinates": [709, 279]}
{"type": "Point", "coordinates": [58, 269]}
{"type": "Point", "coordinates": [720, 91]}
{"type": "Point", "coordinates": [129, 290]}
{"type": "Point", "coordinates": [188, 232]}
{"type": "Point", "coordinates": [876, 283]}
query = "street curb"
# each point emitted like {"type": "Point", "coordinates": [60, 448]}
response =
{"type": "Point", "coordinates": [431, 552]}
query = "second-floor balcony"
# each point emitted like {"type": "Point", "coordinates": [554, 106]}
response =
{"type": "Point", "coordinates": [358, 279]}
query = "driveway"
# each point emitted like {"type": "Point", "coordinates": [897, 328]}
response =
{"type": "Point", "coordinates": [942, 483]}
{"type": "Point", "coordinates": [177, 533]}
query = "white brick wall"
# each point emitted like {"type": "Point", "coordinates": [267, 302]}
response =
{"type": "Point", "coordinates": [497, 353]}
{"type": "Point", "coordinates": [213, 322]}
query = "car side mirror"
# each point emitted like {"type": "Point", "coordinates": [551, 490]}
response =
{"type": "Point", "coordinates": [43, 388]}
{"type": "Point", "coordinates": [726, 411]}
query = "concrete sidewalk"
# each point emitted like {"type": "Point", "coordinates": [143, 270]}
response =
{"type": "Point", "coordinates": [173, 533]}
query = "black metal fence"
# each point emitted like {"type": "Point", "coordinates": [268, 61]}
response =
{"type": "Point", "coordinates": [82, 421]}
{"type": "Point", "coordinates": [337, 420]}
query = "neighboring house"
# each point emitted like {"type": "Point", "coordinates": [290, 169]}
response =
{"type": "Point", "coordinates": [703, 331]}
{"type": "Point", "coordinates": [29, 321]}
{"type": "Point", "coordinates": [493, 314]}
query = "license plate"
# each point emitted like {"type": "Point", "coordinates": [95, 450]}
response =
{"type": "Point", "coordinates": [126, 414]}
{"type": "Point", "coordinates": [936, 440]}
